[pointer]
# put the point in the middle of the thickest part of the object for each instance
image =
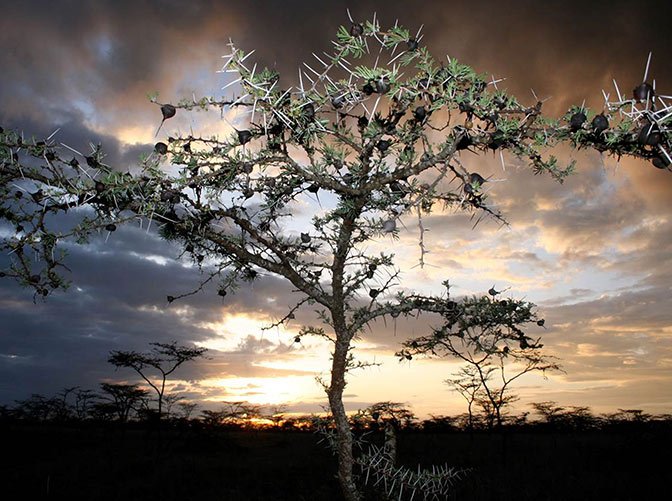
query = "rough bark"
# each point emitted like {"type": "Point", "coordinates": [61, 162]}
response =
{"type": "Point", "coordinates": [343, 433]}
{"type": "Point", "coordinates": [340, 357]}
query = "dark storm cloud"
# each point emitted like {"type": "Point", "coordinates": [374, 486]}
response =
{"type": "Point", "coordinates": [104, 55]}
{"type": "Point", "coordinates": [95, 63]}
{"type": "Point", "coordinates": [107, 55]}
{"type": "Point", "coordinates": [118, 302]}
{"type": "Point", "coordinates": [567, 50]}
{"type": "Point", "coordinates": [72, 131]}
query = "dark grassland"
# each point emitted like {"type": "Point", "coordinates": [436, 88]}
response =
{"type": "Point", "coordinates": [102, 462]}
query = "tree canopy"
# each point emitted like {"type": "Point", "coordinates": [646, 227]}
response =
{"type": "Point", "coordinates": [163, 359]}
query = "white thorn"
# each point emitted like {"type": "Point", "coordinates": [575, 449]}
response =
{"type": "Point", "coordinates": [301, 82]}
{"type": "Point", "coordinates": [232, 83]}
{"type": "Point", "coordinates": [254, 108]}
{"type": "Point", "coordinates": [226, 63]}
{"type": "Point", "coordinates": [646, 71]}
{"type": "Point", "coordinates": [340, 63]}
{"type": "Point", "coordinates": [308, 77]}
{"type": "Point", "coordinates": [247, 55]}
{"type": "Point", "coordinates": [606, 97]}
{"type": "Point", "coordinates": [320, 60]}
{"type": "Point", "coordinates": [618, 92]}
{"type": "Point", "coordinates": [373, 110]}
{"type": "Point", "coordinates": [53, 134]}
{"type": "Point", "coordinates": [282, 96]}
{"type": "Point", "coordinates": [72, 149]}
{"type": "Point", "coordinates": [396, 57]}
{"type": "Point", "coordinates": [311, 69]}
{"type": "Point", "coordinates": [419, 30]}
{"type": "Point", "coordinates": [239, 99]}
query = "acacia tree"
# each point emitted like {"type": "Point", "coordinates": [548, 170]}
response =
{"type": "Point", "coordinates": [572, 417]}
{"type": "Point", "coordinates": [467, 383]}
{"type": "Point", "coordinates": [487, 336]}
{"type": "Point", "coordinates": [37, 408]}
{"type": "Point", "coordinates": [379, 126]}
{"type": "Point", "coordinates": [84, 402]}
{"type": "Point", "coordinates": [186, 409]}
{"type": "Point", "coordinates": [163, 358]}
{"type": "Point", "coordinates": [231, 413]}
{"type": "Point", "coordinates": [120, 399]}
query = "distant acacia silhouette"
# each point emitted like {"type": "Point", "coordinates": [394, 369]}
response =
{"type": "Point", "coordinates": [163, 359]}
{"type": "Point", "coordinates": [488, 338]}
{"type": "Point", "coordinates": [125, 403]}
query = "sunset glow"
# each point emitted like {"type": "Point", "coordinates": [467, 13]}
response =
{"type": "Point", "coordinates": [263, 391]}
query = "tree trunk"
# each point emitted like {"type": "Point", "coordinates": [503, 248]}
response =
{"type": "Point", "coordinates": [163, 389]}
{"type": "Point", "coordinates": [339, 364]}
{"type": "Point", "coordinates": [343, 434]}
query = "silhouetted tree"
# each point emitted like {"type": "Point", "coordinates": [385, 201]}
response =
{"type": "Point", "coordinates": [186, 409]}
{"type": "Point", "coordinates": [169, 402]}
{"type": "Point", "coordinates": [84, 402]}
{"type": "Point", "coordinates": [486, 334]}
{"type": "Point", "coordinates": [441, 423]}
{"type": "Point", "coordinates": [634, 415]}
{"type": "Point", "coordinates": [118, 400]}
{"type": "Point", "coordinates": [37, 408]}
{"type": "Point", "coordinates": [468, 384]}
{"type": "Point", "coordinates": [163, 358]}
{"type": "Point", "coordinates": [388, 416]}
{"type": "Point", "coordinates": [303, 423]}
{"type": "Point", "coordinates": [212, 418]}
{"type": "Point", "coordinates": [236, 414]}
{"type": "Point", "coordinates": [572, 417]}
{"type": "Point", "coordinates": [6, 413]}
{"type": "Point", "coordinates": [276, 414]}
{"type": "Point", "coordinates": [382, 413]}
{"type": "Point", "coordinates": [379, 126]}
{"type": "Point", "coordinates": [579, 417]}
{"type": "Point", "coordinates": [41, 408]}
{"type": "Point", "coordinates": [63, 410]}
{"type": "Point", "coordinates": [549, 411]}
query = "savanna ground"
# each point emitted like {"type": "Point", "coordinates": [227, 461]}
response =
{"type": "Point", "coordinates": [85, 461]}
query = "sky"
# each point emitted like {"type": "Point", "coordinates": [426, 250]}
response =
{"type": "Point", "coordinates": [593, 253]}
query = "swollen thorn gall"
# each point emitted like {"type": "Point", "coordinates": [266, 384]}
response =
{"type": "Point", "coordinates": [356, 30]}
{"type": "Point", "coordinates": [600, 123]}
